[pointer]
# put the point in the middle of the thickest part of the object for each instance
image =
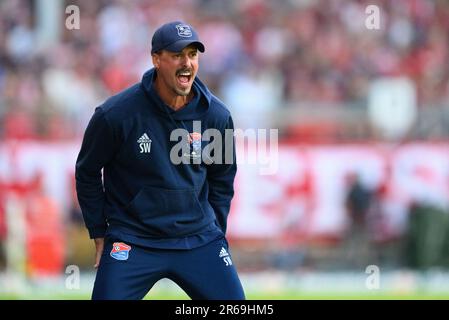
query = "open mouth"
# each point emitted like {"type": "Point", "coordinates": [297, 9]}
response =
{"type": "Point", "coordinates": [184, 77]}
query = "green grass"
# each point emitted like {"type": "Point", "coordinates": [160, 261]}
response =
{"type": "Point", "coordinates": [179, 295]}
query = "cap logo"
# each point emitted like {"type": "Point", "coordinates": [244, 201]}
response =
{"type": "Point", "coordinates": [184, 30]}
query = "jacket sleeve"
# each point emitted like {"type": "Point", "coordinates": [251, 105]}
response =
{"type": "Point", "coordinates": [97, 149]}
{"type": "Point", "coordinates": [221, 178]}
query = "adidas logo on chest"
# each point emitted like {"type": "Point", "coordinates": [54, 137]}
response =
{"type": "Point", "coordinates": [144, 143]}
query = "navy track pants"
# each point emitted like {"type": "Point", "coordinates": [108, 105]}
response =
{"type": "Point", "coordinates": [204, 273]}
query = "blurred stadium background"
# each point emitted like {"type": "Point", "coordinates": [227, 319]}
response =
{"type": "Point", "coordinates": [362, 179]}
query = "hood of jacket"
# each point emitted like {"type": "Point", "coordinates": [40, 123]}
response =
{"type": "Point", "coordinates": [194, 110]}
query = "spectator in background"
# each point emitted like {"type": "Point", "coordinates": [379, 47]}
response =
{"type": "Point", "coordinates": [45, 232]}
{"type": "Point", "coordinates": [358, 200]}
{"type": "Point", "coordinates": [427, 237]}
{"type": "Point", "coordinates": [79, 245]}
{"type": "Point", "coordinates": [358, 203]}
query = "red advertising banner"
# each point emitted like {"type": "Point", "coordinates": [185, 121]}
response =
{"type": "Point", "coordinates": [303, 194]}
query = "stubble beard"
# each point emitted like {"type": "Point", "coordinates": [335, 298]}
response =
{"type": "Point", "coordinates": [183, 93]}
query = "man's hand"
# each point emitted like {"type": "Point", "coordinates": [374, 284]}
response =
{"type": "Point", "coordinates": [99, 245]}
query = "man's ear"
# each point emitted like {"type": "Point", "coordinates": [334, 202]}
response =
{"type": "Point", "coordinates": [156, 60]}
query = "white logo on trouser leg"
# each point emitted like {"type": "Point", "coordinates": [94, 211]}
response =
{"type": "Point", "coordinates": [225, 255]}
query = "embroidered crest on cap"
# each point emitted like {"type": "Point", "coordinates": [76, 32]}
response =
{"type": "Point", "coordinates": [184, 30]}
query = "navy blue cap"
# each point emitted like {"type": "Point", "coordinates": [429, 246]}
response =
{"type": "Point", "coordinates": [174, 37]}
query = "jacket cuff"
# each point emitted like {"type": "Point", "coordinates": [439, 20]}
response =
{"type": "Point", "coordinates": [97, 232]}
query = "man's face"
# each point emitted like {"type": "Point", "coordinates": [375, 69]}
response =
{"type": "Point", "coordinates": [177, 70]}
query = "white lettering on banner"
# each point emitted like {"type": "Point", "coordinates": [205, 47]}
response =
{"type": "Point", "coordinates": [261, 216]}
{"type": "Point", "coordinates": [331, 166]}
{"type": "Point", "coordinates": [305, 195]}
{"type": "Point", "coordinates": [318, 177]}
{"type": "Point", "coordinates": [424, 178]}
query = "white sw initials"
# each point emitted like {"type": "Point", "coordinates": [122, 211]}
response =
{"type": "Point", "coordinates": [225, 255]}
{"type": "Point", "coordinates": [144, 143]}
{"type": "Point", "coordinates": [227, 261]}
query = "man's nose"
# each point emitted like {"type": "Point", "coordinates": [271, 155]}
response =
{"type": "Point", "coordinates": [186, 61]}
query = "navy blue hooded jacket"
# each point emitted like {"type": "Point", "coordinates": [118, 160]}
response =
{"type": "Point", "coordinates": [143, 197]}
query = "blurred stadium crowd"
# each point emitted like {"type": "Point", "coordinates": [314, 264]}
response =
{"type": "Point", "coordinates": [261, 57]}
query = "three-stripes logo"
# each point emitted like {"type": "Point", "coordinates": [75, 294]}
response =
{"type": "Point", "coordinates": [225, 255]}
{"type": "Point", "coordinates": [144, 143]}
